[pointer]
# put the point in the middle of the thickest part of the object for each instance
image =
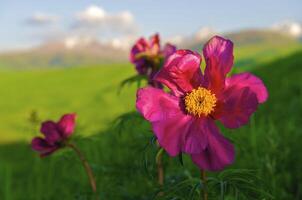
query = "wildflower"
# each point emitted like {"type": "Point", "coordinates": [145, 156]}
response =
{"type": "Point", "coordinates": [184, 119]}
{"type": "Point", "coordinates": [148, 56]}
{"type": "Point", "coordinates": [55, 134]}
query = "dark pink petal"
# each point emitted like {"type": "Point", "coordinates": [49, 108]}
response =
{"type": "Point", "coordinates": [141, 45]}
{"type": "Point", "coordinates": [181, 133]}
{"type": "Point", "coordinates": [181, 73]}
{"type": "Point", "coordinates": [168, 50]}
{"type": "Point", "coordinates": [218, 154]}
{"type": "Point", "coordinates": [218, 53]}
{"type": "Point", "coordinates": [252, 82]}
{"type": "Point", "coordinates": [195, 140]}
{"type": "Point", "coordinates": [176, 132]}
{"type": "Point", "coordinates": [163, 111]}
{"type": "Point", "coordinates": [238, 104]}
{"type": "Point", "coordinates": [67, 124]}
{"type": "Point", "coordinates": [170, 133]}
{"type": "Point", "coordinates": [156, 105]}
{"type": "Point", "coordinates": [42, 146]}
{"type": "Point", "coordinates": [51, 131]}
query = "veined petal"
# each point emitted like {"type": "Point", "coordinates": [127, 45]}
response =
{"type": "Point", "coordinates": [67, 124]}
{"type": "Point", "coordinates": [218, 154]}
{"type": "Point", "coordinates": [176, 132]}
{"type": "Point", "coordinates": [195, 140]}
{"type": "Point", "coordinates": [252, 82]}
{"type": "Point", "coordinates": [181, 72]}
{"type": "Point", "coordinates": [156, 105]}
{"type": "Point", "coordinates": [171, 132]}
{"type": "Point", "coordinates": [218, 53]}
{"type": "Point", "coordinates": [237, 105]}
{"type": "Point", "coordinates": [164, 113]}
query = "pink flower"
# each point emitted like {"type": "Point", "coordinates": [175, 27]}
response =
{"type": "Point", "coordinates": [184, 119]}
{"type": "Point", "coordinates": [148, 56]}
{"type": "Point", "coordinates": [55, 134]}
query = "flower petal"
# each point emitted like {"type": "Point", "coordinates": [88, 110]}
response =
{"type": "Point", "coordinates": [195, 140]}
{"type": "Point", "coordinates": [51, 131]}
{"type": "Point", "coordinates": [155, 44]}
{"type": "Point", "coordinates": [42, 146]}
{"type": "Point", "coordinates": [238, 104]}
{"type": "Point", "coordinates": [218, 53]}
{"type": "Point", "coordinates": [218, 154]}
{"type": "Point", "coordinates": [252, 82]}
{"type": "Point", "coordinates": [140, 46]}
{"type": "Point", "coordinates": [168, 50]}
{"type": "Point", "coordinates": [67, 124]}
{"type": "Point", "coordinates": [163, 111]}
{"type": "Point", "coordinates": [156, 105]}
{"type": "Point", "coordinates": [176, 132]}
{"type": "Point", "coordinates": [170, 133]}
{"type": "Point", "coordinates": [181, 72]}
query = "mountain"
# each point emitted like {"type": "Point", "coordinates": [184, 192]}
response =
{"type": "Point", "coordinates": [252, 48]}
{"type": "Point", "coordinates": [249, 37]}
{"type": "Point", "coordinates": [290, 28]}
{"type": "Point", "coordinates": [66, 53]}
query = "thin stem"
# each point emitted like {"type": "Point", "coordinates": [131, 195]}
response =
{"type": "Point", "coordinates": [160, 166]}
{"type": "Point", "coordinates": [204, 189]}
{"type": "Point", "coordinates": [86, 166]}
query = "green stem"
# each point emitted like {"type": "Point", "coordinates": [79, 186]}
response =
{"type": "Point", "coordinates": [204, 189]}
{"type": "Point", "coordinates": [160, 166]}
{"type": "Point", "coordinates": [86, 166]}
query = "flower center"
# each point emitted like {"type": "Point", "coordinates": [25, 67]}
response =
{"type": "Point", "coordinates": [200, 101]}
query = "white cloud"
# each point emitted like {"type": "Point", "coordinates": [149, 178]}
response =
{"type": "Point", "coordinates": [40, 18]}
{"type": "Point", "coordinates": [90, 26]}
{"type": "Point", "coordinates": [92, 14]}
{"type": "Point", "coordinates": [95, 17]}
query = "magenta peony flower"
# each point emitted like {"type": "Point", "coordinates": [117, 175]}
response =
{"type": "Point", "coordinates": [148, 56]}
{"type": "Point", "coordinates": [184, 120]}
{"type": "Point", "coordinates": [55, 135]}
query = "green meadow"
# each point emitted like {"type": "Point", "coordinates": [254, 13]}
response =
{"type": "Point", "coordinates": [118, 143]}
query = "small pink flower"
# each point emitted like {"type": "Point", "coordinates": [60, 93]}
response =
{"type": "Point", "coordinates": [148, 56]}
{"type": "Point", "coordinates": [184, 119]}
{"type": "Point", "coordinates": [55, 135]}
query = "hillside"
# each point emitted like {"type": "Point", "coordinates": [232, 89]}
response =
{"type": "Point", "coordinates": [254, 48]}
{"type": "Point", "coordinates": [59, 54]}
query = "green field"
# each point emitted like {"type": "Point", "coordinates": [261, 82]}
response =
{"type": "Point", "coordinates": [270, 144]}
{"type": "Point", "coordinates": [91, 92]}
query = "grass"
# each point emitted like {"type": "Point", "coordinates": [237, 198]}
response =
{"type": "Point", "coordinates": [91, 92]}
{"type": "Point", "coordinates": [125, 169]}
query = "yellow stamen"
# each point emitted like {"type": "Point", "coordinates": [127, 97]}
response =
{"type": "Point", "coordinates": [200, 102]}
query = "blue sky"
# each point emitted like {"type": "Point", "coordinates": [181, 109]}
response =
{"type": "Point", "coordinates": [164, 16]}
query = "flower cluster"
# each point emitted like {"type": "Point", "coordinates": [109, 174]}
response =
{"type": "Point", "coordinates": [184, 119]}
{"type": "Point", "coordinates": [148, 56]}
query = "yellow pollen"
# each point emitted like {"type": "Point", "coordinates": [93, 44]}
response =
{"type": "Point", "coordinates": [200, 102]}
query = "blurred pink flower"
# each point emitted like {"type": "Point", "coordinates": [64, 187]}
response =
{"type": "Point", "coordinates": [55, 135]}
{"type": "Point", "coordinates": [148, 57]}
{"type": "Point", "coordinates": [184, 120]}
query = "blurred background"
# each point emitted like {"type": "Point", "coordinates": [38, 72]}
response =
{"type": "Point", "coordinates": [71, 56]}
